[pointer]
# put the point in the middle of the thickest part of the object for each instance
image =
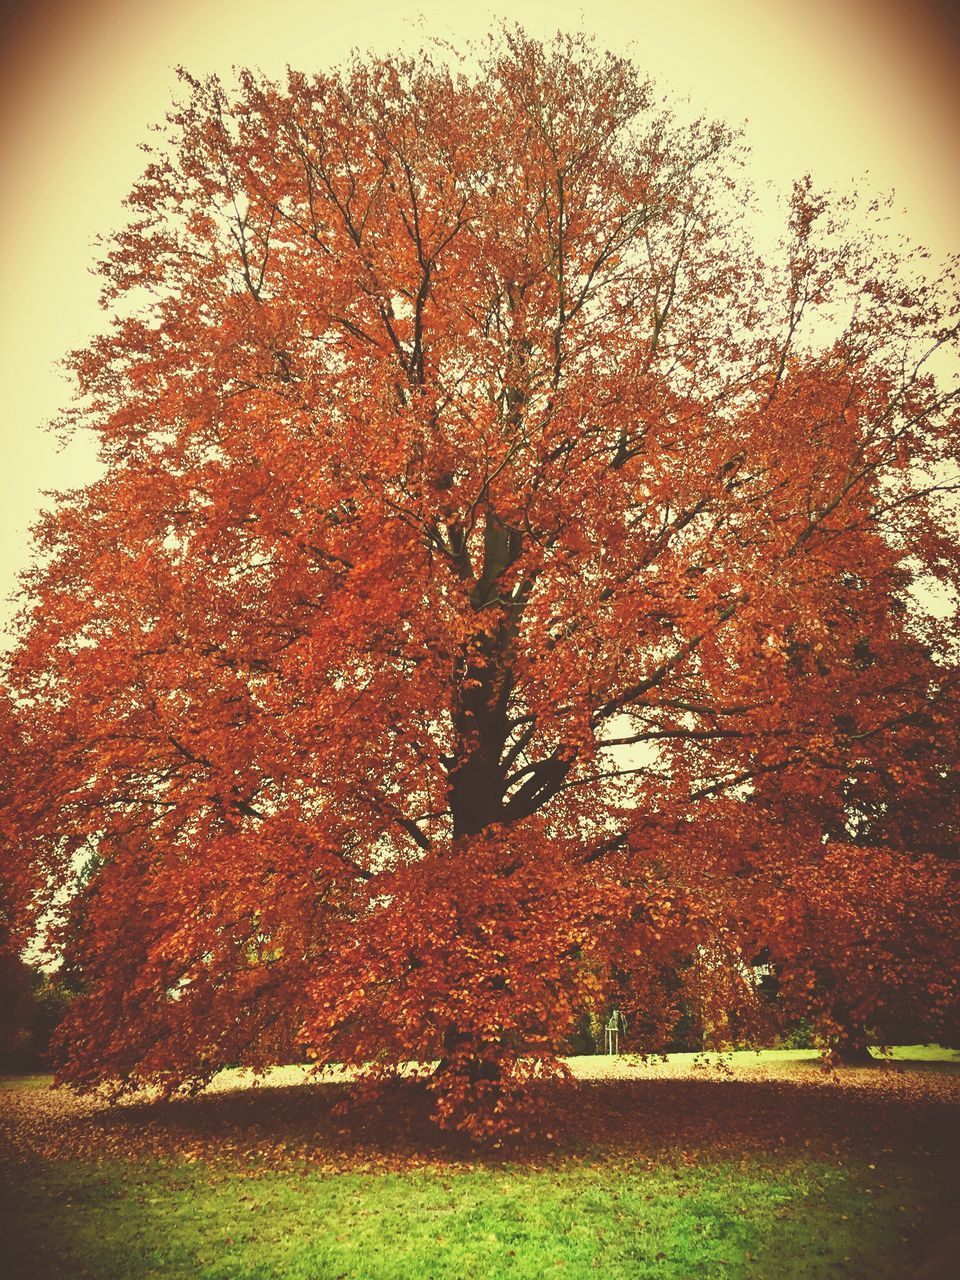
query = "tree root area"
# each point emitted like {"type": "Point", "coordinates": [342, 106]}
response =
{"type": "Point", "coordinates": [856, 1113]}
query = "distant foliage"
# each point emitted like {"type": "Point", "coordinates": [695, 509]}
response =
{"type": "Point", "coordinates": [33, 1005]}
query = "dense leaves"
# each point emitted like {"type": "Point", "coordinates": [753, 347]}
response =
{"type": "Point", "coordinates": [497, 600]}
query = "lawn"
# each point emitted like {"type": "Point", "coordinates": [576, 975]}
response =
{"type": "Point", "coordinates": [794, 1175]}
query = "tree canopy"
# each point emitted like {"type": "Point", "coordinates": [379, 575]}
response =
{"type": "Point", "coordinates": [497, 601]}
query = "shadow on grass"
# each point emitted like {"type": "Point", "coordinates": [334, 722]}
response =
{"type": "Point", "coordinates": [792, 1179]}
{"type": "Point", "coordinates": [643, 1119]}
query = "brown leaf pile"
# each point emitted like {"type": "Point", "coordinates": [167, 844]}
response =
{"type": "Point", "coordinates": [910, 1111]}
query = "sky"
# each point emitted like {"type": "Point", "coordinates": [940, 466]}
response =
{"type": "Point", "coordinates": [843, 89]}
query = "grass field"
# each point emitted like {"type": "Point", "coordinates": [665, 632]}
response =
{"type": "Point", "coordinates": [790, 1175]}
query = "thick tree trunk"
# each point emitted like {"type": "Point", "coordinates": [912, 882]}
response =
{"type": "Point", "coordinates": [481, 1074]}
{"type": "Point", "coordinates": [480, 703]}
{"type": "Point", "coordinates": [482, 689]}
{"type": "Point", "coordinates": [849, 1048]}
{"type": "Point", "coordinates": [851, 1053]}
{"type": "Point", "coordinates": [482, 684]}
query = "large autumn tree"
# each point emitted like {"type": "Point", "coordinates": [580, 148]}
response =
{"type": "Point", "coordinates": [497, 600]}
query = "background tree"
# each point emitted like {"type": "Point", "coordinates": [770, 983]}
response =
{"type": "Point", "coordinates": [482, 519]}
{"type": "Point", "coordinates": [897, 795]}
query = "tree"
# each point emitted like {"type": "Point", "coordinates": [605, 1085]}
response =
{"type": "Point", "coordinates": [34, 1004]}
{"type": "Point", "coordinates": [483, 524]}
{"type": "Point", "coordinates": [896, 797]}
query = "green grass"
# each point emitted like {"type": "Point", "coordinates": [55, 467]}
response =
{"type": "Point", "coordinates": [25, 1082]}
{"type": "Point", "coordinates": [790, 1183]}
{"type": "Point", "coordinates": [921, 1053]}
{"type": "Point", "coordinates": [759, 1057]}
{"type": "Point", "coordinates": [793, 1220]}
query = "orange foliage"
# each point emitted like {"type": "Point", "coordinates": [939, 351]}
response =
{"type": "Point", "coordinates": [495, 605]}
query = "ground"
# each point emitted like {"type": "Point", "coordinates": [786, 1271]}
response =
{"type": "Point", "coordinates": [765, 1167]}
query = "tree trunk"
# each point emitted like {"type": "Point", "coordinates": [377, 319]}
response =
{"type": "Point", "coordinates": [481, 691]}
{"type": "Point", "coordinates": [851, 1053]}
{"type": "Point", "coordinates": [482, 684]}
{"type": "Point", "coordinates": [849, 1048]}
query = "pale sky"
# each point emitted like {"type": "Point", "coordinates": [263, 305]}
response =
{"type": "Point", "coordinates": [845, 90]}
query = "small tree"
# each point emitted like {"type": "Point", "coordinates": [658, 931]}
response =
{"type": "Point", "coordinates": [482, 519]}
